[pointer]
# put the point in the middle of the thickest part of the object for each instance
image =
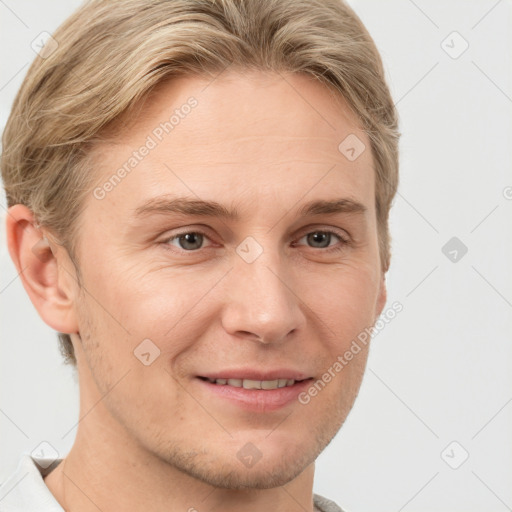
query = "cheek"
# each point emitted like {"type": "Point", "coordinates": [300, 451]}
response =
{"type": "Point", "coordinates": [343, 301]}
{"type": "Point", "coordinates": [168, 307]}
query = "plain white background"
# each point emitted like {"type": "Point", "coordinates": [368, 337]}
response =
{"type": "Point", "coordinates": [441, 371]}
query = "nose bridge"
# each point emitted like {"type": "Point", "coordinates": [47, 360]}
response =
{"type": "Point", "coordinates": [260, 300]}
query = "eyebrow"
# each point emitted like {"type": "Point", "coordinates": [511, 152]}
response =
{"type": "Point", "coordinates": [198, 207]}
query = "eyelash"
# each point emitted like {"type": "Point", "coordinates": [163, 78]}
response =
{"type": "Point", "coordinates": [344, 241]}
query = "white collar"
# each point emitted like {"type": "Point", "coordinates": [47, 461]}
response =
{"type": "Point", "coordinates": [25, 490]}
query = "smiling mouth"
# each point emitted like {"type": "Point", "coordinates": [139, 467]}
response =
{"type": "Point", "coordinates": [254, 384]}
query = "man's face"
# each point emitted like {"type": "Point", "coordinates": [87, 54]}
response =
{"type": "Point", "coordinates": [275, 290]}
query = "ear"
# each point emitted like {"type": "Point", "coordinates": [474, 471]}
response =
{"type": "Point", "coordinates": [46, 271]}
{"type": "Point", "coordinates": [382, 295]}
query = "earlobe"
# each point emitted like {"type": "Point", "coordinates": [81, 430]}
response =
{"type": "Point", "coordinates": [39, 265]}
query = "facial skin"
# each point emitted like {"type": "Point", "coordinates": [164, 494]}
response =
{"type": "Point", "coordinates": [153, 437]}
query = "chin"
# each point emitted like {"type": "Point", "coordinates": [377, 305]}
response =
{"type": "Point", "coordinates": [232, 474]}
{"type": "Point", "coordinates": [250, 461]}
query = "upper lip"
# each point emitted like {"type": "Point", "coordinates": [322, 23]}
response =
{"type": "Point", "coordinates": [252, 374]}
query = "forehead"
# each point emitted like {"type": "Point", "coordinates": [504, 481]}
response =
{"type": "Point", "coordinates": [238, 105]}
{"type": "Point", "coordinates": [250, 135]}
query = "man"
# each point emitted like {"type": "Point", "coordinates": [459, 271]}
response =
{"type": "Point", "coordinates": [198, 195]}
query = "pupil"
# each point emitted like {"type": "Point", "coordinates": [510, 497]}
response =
{"type": "Point", "coordinates": [320, 238]}
{"type": "Point", "coordinates": [191, 241]}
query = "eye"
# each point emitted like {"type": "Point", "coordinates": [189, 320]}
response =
{"type": "Point", "coordinates": [188, 241]}
{"type": "Point", "coordinates": [191, 241]}
{"type": "Point", "coordinates": [321, 239]}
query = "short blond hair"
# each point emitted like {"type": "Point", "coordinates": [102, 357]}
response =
{"type": "Point", "coordinates": [110, 54]}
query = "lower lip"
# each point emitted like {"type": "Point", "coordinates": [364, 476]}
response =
{"type": "Point", "coordinates": [258, 400]}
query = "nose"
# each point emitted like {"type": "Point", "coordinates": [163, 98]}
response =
{"type": "Point", "coordinates": [261, 304]}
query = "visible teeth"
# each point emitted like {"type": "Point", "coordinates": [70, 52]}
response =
{"type": "Point", "coordinates": [269, 384]}
{"type": "Point", "coordinates": [251, 384]}
{"type": "Point", "coordinates": [255, 384]}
